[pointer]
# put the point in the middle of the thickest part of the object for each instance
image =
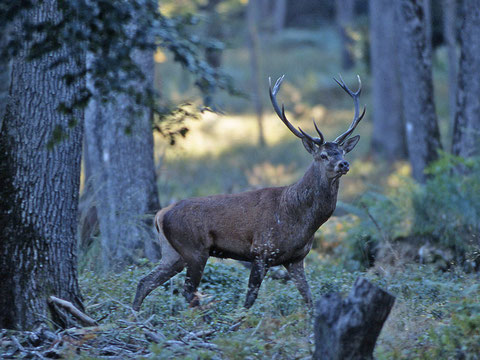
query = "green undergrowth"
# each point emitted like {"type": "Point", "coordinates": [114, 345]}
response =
{"type": "Point", "coordinates": [434, 222]}
{"type": "Point", "coordinates": [436, 314]}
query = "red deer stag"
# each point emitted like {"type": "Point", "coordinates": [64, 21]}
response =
{"type": "Point", "coordinates": [267, 227]}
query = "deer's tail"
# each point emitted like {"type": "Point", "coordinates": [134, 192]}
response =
{"type": "Point", "coordinates": [159, 222]}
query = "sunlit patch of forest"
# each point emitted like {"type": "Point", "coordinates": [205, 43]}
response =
{"type": "Point", "coordinates": [407, 212]}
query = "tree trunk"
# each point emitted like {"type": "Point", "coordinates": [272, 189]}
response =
{"type": "Point", "coordinates": [388, 138]}
{"type": "Point", "coordinates": [279, 15]}
{"type": "Point", "coordinates": [254, 50]}
{"type": "Point", "coordinates": [123, 172]}
{"type": "Point", "coordinates": [213, 54]}
{"type": "Point", "coordinates": [38, 186]}
{"type": "Point", "coordinates": [88, 226]}
{"type": "Point", "coordinates": [427, 10]}
{"type": "Point", "coordinates": [450, 35]}
{"type": "Point", "coordinates": [4, 78]}
{"type": "Point", "coordinates": [4, 85]}
{"type": "Point", "coordinates": [345, 11]}
{"type": "Point", "coordinates": [466, 131]}
{"type": "Point", "coordinates": [423, 136]}
{"type": "Point", "coordinates": [348, 329]}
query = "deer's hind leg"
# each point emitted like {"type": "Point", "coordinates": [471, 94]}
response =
{"type": "Point", "coordinates": [195, 266]}
{"type": "Point", "coordinates": [171, 264]}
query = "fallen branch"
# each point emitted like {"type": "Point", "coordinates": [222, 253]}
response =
{"type": "Point", "coordinates": [67, 305]}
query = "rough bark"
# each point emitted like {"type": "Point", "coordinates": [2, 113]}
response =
{"type": "Point", "coordinates": [423, 136]}
{"type": "Point", "coordinates": [349, 328]}
{"type": "Point", "coordinates": [427, 10]}
{"type": "Point", "coordinates": [4, 80]}
{"type": "Point", "coordinates": [450, 35]}
{"type": "Point", "coordinates": [123, 174]}
{"type": "Point", "coordinates": [344, 12]}
{"type": "Point", "coordinates": [254, 51]}
{"type": "Point", "coordinates": [38, 186]}
{"type": "Point", "coordinates": [466, 131]}
{"type": "Point", "coordinates": [388, 138]}
{"type": "Point", "coordinates": [4, 84]}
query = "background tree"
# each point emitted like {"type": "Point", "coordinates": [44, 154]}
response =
{"type": "Point", "coordinates": [466, 131]}
{"type": "Point", "coordinates": [450, 36]}
{"type": "Point", "coordinates": [39, 185]}
{"type": "Point", "coordinates": [344, 13]}
{"type": "Point", "coordinates": [388, 137]}
{"type": "Point", "coordinates": [427, 10]}
{"type": "Point", "coordinates": [253, 41]}
{"type": "Point", "coordinates": [214, 49]}
{"type": "Point", "coordinates": [125, 200]}
{"type": "Point", "coordinates": [423, 136]}
{"type": "Point", "coordinates": [279, 15]}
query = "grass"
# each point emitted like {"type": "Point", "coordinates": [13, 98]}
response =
{"type": "Point", "coordinates": [278, 326]}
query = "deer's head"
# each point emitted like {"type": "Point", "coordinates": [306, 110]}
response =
{"type": "Point", "coordinates": [328, 155]}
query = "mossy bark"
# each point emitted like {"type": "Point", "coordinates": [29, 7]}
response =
{"type": "Point", "coordinates": [38, 186]}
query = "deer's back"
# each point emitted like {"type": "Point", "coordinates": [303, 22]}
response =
{"type": "Point", "coordinates": [224, 224]}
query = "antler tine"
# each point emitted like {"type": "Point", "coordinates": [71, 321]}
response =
{"type": "Point", "coordinates": [357, 116]}
{"type": "Point", "coordinates": [281, 113]}
{"type": "Point", "coordinates": [315, 140]}
{"type": "Point", "coordinates": [322, 138]}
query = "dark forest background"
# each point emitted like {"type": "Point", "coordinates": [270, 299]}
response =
{"type": "Point", "coordinates": [111, 110]}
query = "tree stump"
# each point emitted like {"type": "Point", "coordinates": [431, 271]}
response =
{"type": "Point", "coordinates": [348, 328]}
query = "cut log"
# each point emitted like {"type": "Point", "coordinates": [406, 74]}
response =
{"type": "Point", "coordinates": [349, 328]}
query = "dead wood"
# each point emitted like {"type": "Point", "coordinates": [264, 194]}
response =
{"type": "Point", "coordinates": [349, 328]}
{"type": "Point", "coordinates": [68, 306]}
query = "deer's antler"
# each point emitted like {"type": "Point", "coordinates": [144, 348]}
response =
{"type": "Point", "coordinates": [281, 114]}
{"type": "Point", "coordinates": [357, 116]}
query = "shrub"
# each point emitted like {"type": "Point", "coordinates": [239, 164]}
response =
{"type": "Point", "coordinates": [443, 213]}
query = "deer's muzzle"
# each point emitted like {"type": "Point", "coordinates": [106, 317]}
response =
{"type": "Point", "coordinates": [342, 167]}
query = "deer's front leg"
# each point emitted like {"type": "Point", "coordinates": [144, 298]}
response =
{"type": "Point", "coordinates": [258, 272]}
{"type": "Point", "coordinates": [297, 272]}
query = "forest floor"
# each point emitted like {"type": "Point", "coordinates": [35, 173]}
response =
{"type": "Point", "coordinates": [436, 316]}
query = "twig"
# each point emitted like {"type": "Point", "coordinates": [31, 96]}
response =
{"type": "Point", "coordinates": [198, 335]}
{"type": "Point", "coordinates": [236, 326]}
{"type": "Point", "coordinates": [17, 344]}
{"type": "Point", "coordinates": [257, 327]}
{"type": "Point", "coordinates": [67, 305]}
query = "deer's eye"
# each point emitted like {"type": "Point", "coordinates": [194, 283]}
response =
{"type": "Point", "coordinates": [324, 157]}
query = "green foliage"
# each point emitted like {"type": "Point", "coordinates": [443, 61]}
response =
{"type": "Point", "coordinates": [444, 212]}
{"type": "Point", "coordinates": [448, 207]}
{"type": "Point", "coordinates": [435, 314]}
{"type": "Point", "coordinates": [458, 338]}
{"type": "Point", "coordinates": [110, 32]}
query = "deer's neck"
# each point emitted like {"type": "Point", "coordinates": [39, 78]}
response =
{"type": "Point", "coordinates": [312, 199]}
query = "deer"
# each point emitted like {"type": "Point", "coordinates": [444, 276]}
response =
{"type": "Point", "coordinates": [267, 227]}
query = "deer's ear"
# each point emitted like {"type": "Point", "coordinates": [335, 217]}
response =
{"type": "Point", "coordinates": [310, 146]}
{"type": "Point", "coordinates": [350, 144]}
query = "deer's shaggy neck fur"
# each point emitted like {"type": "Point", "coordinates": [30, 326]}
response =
{"type": "Point", "coordinates": [312, 198]}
